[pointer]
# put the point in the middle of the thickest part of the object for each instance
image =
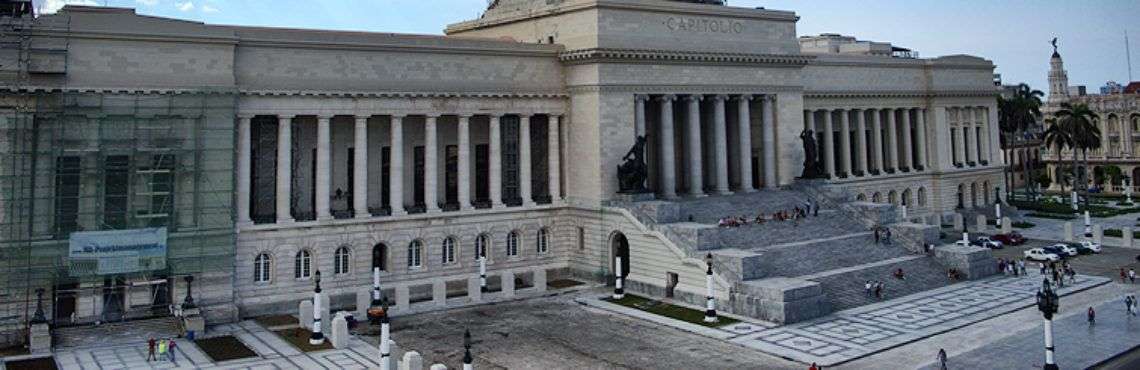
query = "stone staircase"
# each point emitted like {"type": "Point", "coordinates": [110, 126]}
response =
{"type": "Point", "coordinates": [126, 331]}
{"type": "Point", "coordinates": [844, 287]}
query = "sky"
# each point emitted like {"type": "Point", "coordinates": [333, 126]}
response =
{"type": "Point", "coordinates": [1014, 34]}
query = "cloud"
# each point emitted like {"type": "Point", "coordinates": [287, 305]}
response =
{"type": "Point", "coordinates": [207, 8]}
{"type": "Point", "coordinates": [185, 6]}
{"type": "Point", "coordinates": [52, 6]}
{"type": "Point", "coordinates": [147, 2]}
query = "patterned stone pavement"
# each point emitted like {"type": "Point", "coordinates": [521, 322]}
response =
{"type": "Point", "coordinates": [273, 353]}
{"type": "Point", "coordinates": [858, 332]}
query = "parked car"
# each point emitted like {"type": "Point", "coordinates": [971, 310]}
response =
{"type": "Point", "coordinates": [1039, 254]}
{"type": "Point", "coordinates": [985, 241]}
{"type": "Point", "coordinates": [1062, 250]}
{"type": "Point", "coordinates": [1013, 238]}
{"type": "Point", "coordinates": [1086, 247]}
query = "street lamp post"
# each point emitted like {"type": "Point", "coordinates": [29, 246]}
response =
{"type": "Point", "coordinates": [385, 347]}
{"type": "Point", "coordinates": [188, 302]}
{"type": "Point", "coordinates": [467, 360]}
{"type": "Point", "coordinates": [1047, 303]}
{"type": "Point", "coordinates": [38, 317]}
{"type": "Point", "coordinates": [1088, 225]}
{"type": "Point", "coordinates": [710, 305]}
{"type": "Point", "coordinates": [317, 338]}
{"type": "Point", "coordinates": [375, 311]}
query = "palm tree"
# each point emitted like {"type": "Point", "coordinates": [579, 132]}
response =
{"type": "Point", "coordinates": [1085, 135]}
{"type": "Point", "coordinates": [1017, 114]}
{"type": "Point", "coordinates": [1059, 137]}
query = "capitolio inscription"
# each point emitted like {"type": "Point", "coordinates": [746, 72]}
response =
{"type": "Point", "coordinates": [709, 25]}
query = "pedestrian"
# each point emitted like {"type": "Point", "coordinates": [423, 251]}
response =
{"type": "Point", "coordinates": [815, 210]}
{"type": "Point", "coordinates": [161, 350]}
{"type": "Point", "coordinates": [1132, 275]}
{"type": "Point", "coordinates": [1132, 305]}
{"type": "Point", "coordinates": [1001, 265]}
{"type": "Point", "coordinates": [1127, 305]}
{"type": "Point", "coordinates": [942, 358]}
{"type": "Point", "coordinates": [813, 367]}
{"type": "Point", "coordinates": [170, 348]}
{"type": "Point", "coordinates": [1042, 265]}
{"type": "Point", "coordinates": [1092, 316]}
{"type": "Point", "coordinates": [1123, 275]}
{"type": "Point", "coordinates": [1021, 264]}
{"type": "Point", "coordinates": [877, 242]}
{"type": "Point", "coordinates": [879, 290]}
{"type": "Point", "coordinates": [867, 288]}
{"type": "Point", "coordinates": [150, 350]}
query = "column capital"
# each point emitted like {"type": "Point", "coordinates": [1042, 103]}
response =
{"type": "Point", "coordinates": [720, 97]}
{"type": "Point", "coordinates": [640, 97]}
{"type": "Point", "coordinates": [769, 97]}
{"type": "Point", "coordinates": [246, 115]}
{"type": "Point", "coordinates": [693, 97]}
{"type": "Point", "coordinates": [432, 115]}
{"type": "Point", "coordinates": [398, 116]}
{"type": "Point", "coordinates": [361, 119]}
{"type": "Point", "coordinates": [667, 97]}
{"type": "Point", "coordinates": [743, 97]}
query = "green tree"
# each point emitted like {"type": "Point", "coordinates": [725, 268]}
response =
{"type": "Point", "coordinates": [1086, 136]}
{"type": "Point", "coordinates": [1059, 137]}
{"type": "Point", "coordinates": [1015, 115]}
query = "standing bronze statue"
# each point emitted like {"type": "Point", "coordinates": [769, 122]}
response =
{"type": "Point", "coordinates": [633, 172]}
{"type": "Point", "coordinates": [811, 156]}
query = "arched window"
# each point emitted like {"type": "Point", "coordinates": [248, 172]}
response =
{"type": "Point", "coordinates": [973, 195]}
{"type": "Point", "coordinates": [302, 264]}
{"type": "Point", "coordinates": [380, 256]}
{"type": "Point", "coordinates": [448, 250]}
{"type": "Point", "coordinates": [340, 261]}
{"type": "Point", "coordinates": [922, 197]}
{"type": "Point", "coordinates": [893, 198]}
{"type": "Point", "coordinates": [861, 197]}
{"type": "Point", "coordinates": [513, 243]}
{"type": "Point", "coordinates": [986, 192]}
{"type": "Point", "coordinates": [541, 242]}
{"type": "Point", "coordinates": [906, 197]}
{"type": "Point", "coordinates": [482, 244]}
{"type": "Point", "coordinates": [877, 197]}
{"type": "Point", "coordinates": [415, 254]}
{"type": "Point", "coordinates": [261, 267]}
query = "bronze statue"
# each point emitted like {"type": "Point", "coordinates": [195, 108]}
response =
{"type": "Point", "coordinates": [633, 172]}
{"type": "Point", "coordinates": [811, 156]}
{"type": "Point", "coordinates": [1054, 42]}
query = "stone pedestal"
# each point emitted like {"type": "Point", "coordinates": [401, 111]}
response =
{"type": "Point", "coordinates": [473, 291]}
{"type": "Point", "coordinates": [508, 283]}
{"type": "Point", "coordinates": [540, 280]}
{"type": "Point", "coordinates": [439, 293]}
{"type": "Point", "coordinates": [972, 262]}
{"type": "Point", "coordinates": [306, 313]}
{"type": "Point", "coordinates": [39, 338]}
{"type": "Point", "coordinates": [438, 367]}
{"type": "Point", "coordinates": [412, 361]}
{"type": "Point", "coordinates": [959, 223]}
{"type": "Point", "coordinates": [192, 320]}
{"type": "Point", "coordinates": [981, 223]}
{"type": "Point", "coordinates": [339, 337]}
{"type": "Point", "coordinates": [1127, 236]}
{"type": "Point", "coordinates": [1006, 225]}
{"type": "Point", "coordinates": [1098, 234]}
{"type": "Point", "coordinates": [1068, 231]}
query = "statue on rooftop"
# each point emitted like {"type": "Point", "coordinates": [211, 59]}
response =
{"type": "Point", "coordinates": [1054, 42]}
{"type": "Point", "coordinates": [633, 172]}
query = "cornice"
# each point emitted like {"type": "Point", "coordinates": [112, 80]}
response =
{"type": "Point", "coordinates": [123, 36]}
{"type": "Point", "coordinates": [685, 89]}
{"type": "Point", "coordinates": [901, 94]}
{"type": "Point", "coordinates": [406, 94]}
{"type": "Point", "coordinates": [521, 50]}
{"type": "Point", "coordinates": [117, 90]}
{"type": "Point", "coordinates": [598, 55]}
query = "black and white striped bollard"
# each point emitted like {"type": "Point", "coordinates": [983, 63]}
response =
{"type": "Point", "coordinates": [619, 291]}
{"type": "Point", "coordinates": [317, 338]}
{"type": "Point", "coordinates": [710, 306]}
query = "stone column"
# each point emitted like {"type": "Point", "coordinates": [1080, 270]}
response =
{"type": "Point", "coordinates": [554, 163]}
{"type": "Point", "coordinates": [828, 144]}
{"type": "Point", "coordinates": [668, 180]}
{"type": "Point", "coordinates": [959, 146]}
{"type": "Point", "coordinates": [908, 147]}
{"type": "Point", "coordinates": [892, 141]}
{"type": "Point", "coordinates": [771, 179]}
{"type": "Point", "coordinates": [360, 168]}
{"type": "Point", "coordinates": [693, 144]}
{"type": "Point", "coordinates": [877, 139]}
{"type": "Point", "coordinates": [245, 168]}
{"type": "Point", "coordinates": [495, 170]}
{"type": "Point", "coordinates": [744, 143]}
{"type": "Point", "coordinates": [464, 133]}
{"type": "Point", "coordinates": [431, 172]}
{"type": "Point", "coordinates": [396, 168]}
{"type": "Point", "coordinates": [845, 142]}
{"type": "Point", "coordinates": [920, 126]}
{"type": "Point", "coordinates": [638, 114]}
{"type": "Point", "coordinates": [324, 168]}
{"type": "Point", "coordinates": [861, 140]}
{"type": "Point", "coordinates": [984, 139]}
{"type": "Point", "coordinates": [720, 138]}
{"type": "Point", "coordinates": [284, 169]}
{"type": "Point", "coordinates": [525, 189]}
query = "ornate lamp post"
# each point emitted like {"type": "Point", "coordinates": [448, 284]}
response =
{"type": "Point", "coordinates": [317, 337]}
{"type": "Point", "coordinates": [1088, 225]}
{"type": "Point", "coordinates": [375, 311]}
{"type": "Point", "coordinates": [385, 348]}
{"type": "Point", "coordinates": [467, 360]}
{"type": "Point", "coordinates": [188, 302]}
{"type": "Point", "coordinates": [1047, 302]}
{"type": "Point", "coordinates": [710, 303]}
{"type": "Point", "coordinates": [483, 269]}
{"type": "Point", "coordinates": [39, 317]}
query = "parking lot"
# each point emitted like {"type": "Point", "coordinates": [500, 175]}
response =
{"type": "Point", "coordinates": [1107, 263]}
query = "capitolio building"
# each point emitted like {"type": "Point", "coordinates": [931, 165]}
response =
{"type": "Point", "coordinates": [552, 137]}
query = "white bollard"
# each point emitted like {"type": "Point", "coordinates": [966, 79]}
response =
{"type": "Point", "coordinates": [710, 306]}
{"type": "Point", "coordinates": [997, 210]}
{"type": "Point", "coordinates": [412, 361]}
{"type": "Point", "coordinates": [619, 293]}
{"type": "Point", "coordinates": [482, 273]}
{"type": "Point", "coordinates": [1068, 231]}
{"type": "Point", "coordinates": [1088, 225]}
{"type": "Point", "coordinates": [317, 337]}
{"type": "Point", "coordinates": [376, 286]}
{"type": "Point", "coordinates": [385, 348]}
{"type": "Point", "coordinates": [966, 238]}
{"type": "Point", "coordinates": [438, 367]}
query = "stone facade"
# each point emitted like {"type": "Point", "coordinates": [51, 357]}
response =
{"type": "Point", "coordinates": [720, 93]}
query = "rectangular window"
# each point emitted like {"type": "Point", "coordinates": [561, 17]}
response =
{"type": "Point", "coordinates": [67, 170]}
{"type": "Point", "coordinates": [386, 174]}
{"type": "Point", "coordinates": [510, 166]}
{"type": "Point", "coordinates": [263, 167]}
{"type": "Point", "coordinates": [581, 238]}
{"type": "Point", "coordinates": [116, 182]}
{"type": "Point", "coordinates": [540, 178]}
{"type": "Point", "coordinates": [451, 176]}
{"type": "Point", "coordinates": [482, 175]}
{"type": "Point", "coordinates": [418, 175]}
{"type": "Point", "coordinates": [348, 194]}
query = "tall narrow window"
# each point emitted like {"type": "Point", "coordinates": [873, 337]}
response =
{"type": "Point", "coordinates": [448, 250]}
{"type": "Point", "coordinates": [510, 161]}
{"type": "Point", "coordinates": [261, 267]}
{"type": "Point", "coordinates": [340, 261]}
{"type": "Point", "coordinates": [415, 250]}
{"type": "Point", "coordinates": [116, 187]}
{"type": "Point", "coordinates": [451, 177]}
{"type": "Point", "coordinates": [539, 178]}
{"type": "Point", "coordinates": [348, 194]}
{"type": "Point", "coordinates": [386, 175]}
{"type": "Point", "coordinates": [581, 238]}
{"type": "Point", "coordinates": [482, 243]}
{"type": "Point", "coordinates": [418, 176]}
{"type": "Point", "coordinates": [541, 242]}
{"type": "Point", "coordinates": [380, 256]}
{"type": "Point", "coordinates": [482, 176]}
{"type": "Point", "coordinates": [263, 192]}
{"type": "Point", "coordinates": [67, 171]}
{"type": "Point", "coordinates": [302, 264]}
{"type": "Point", "coordinates": [513, 243]}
